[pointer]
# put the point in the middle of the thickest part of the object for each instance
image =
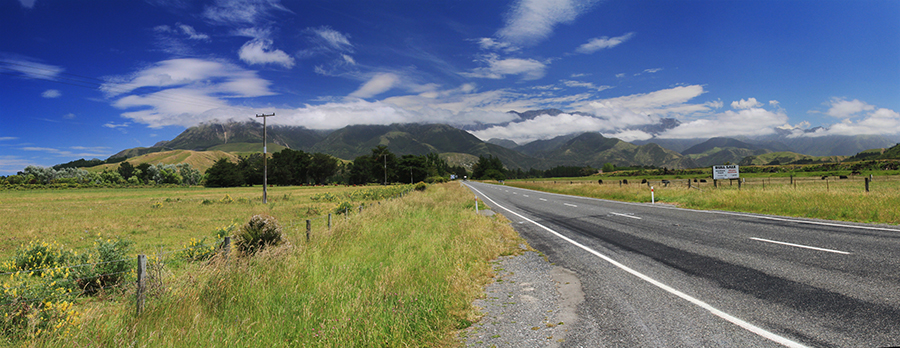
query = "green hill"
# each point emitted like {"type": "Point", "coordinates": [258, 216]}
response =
{"type": "Point", "coordinates": [595, 150]}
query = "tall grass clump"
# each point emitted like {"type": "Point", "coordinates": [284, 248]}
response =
{"type": "Point", "coordinates": [401, 273]}
{"type": "Point", "coordinates": [261, 231]}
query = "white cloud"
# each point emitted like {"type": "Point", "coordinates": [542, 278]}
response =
{"type": "Point", "coordinates": [113, 125]}
{"type": "Point", "coordinates": [599, 43]}
{"type": "Point", "coordinates": [570, 83]}
{"type": "Point", "coordinates": [185, 92]}
{"type": "Point", "coordinates": [843, 108]}
{"type": "Point", "coordinates": [242, 12]}
{"type": "Point", "coordinates": [27, 3]}
{"type": "Point", "coordinates": [487, 43]}
{"type": "Point", "coordinates": [672, 101]}
{"type": "Point", "coordinates": [69, 116]}
{"type": "Point", "coordinates": [629, 135]}
{"type": "Point", "coordinates": [748, 122]}
{"type": "Point", "coordinates": [8, 138]}
{"type": "Point", "coordinates": [378, 84]}
{"type": "Point", "coordinates": [531, 21]}
{"type": "Point", "coordinates": [652, 71]}
{"type": "Point", "coordinates": [67, 153]}
{"type": "Point", "coordinates": [621, 75]}
{"type": "Point", "coordinates": [51, 93]}
{"type": "Point", "coordinates": [544, 127]}
{"type": "Point", "coordinates": [31, 69]}
{"type": "Point", "coordinates": [191, 33]}
{"type": "Point", "coordinates": [10, 165]}
{"type": "Point", "coordinates": [745, 104]}
{"type": "Point", "coordinates": [497, 68]}
{"type": "Point", "coordinates": [333, 39]}
{"type": "Point", "coordinates": [259, 51]}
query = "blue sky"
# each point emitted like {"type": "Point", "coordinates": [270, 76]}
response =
{"type": "Point", "coordinates": [90, 78]}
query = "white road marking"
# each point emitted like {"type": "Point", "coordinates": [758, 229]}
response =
{"type": "Point", "coordinates": [801, 246]}
{"type": "Point", "coordinates": [625, 215]}
{"type": "Point", "coordinates": [571, 205]}
{"type": "Point", "coordinates": [728, 317]}
{"type": "Point", "coordinates": [526, 196]}
{"type": "Point", "coordinates": [542, 199]}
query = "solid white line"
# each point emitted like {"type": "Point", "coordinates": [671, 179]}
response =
{"type": "Point", "coordinates": [730, 318]}
{"type": "Point", "coordinates": [800, 246]}
{"type": "Point", "coordinates": [526, 196]}
{"type": "Point", "coordinates": [571, 205]}
{"type": "Point", "coordinates": [542, 199]}
{"type": "Point", "coordinates": [625, 215]}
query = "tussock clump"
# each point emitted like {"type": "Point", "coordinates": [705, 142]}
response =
{"type": "Point", "coordinates": [261, 231]}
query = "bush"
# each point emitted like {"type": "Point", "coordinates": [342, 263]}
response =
{"type": "Point", "coordinates": [41, 255]}
{"type": "Point", "coordinates": [110, 268]}
{"type": "Point", "coordinates": [261, 231]}
{"type": "Point", "coordinates": [342, 208]}
{"type": "Point", "coordinates": [197, 250]}
{"type": "Point", "coordinates": [421, 186]}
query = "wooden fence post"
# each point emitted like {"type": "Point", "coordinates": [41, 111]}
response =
{"type": "Point", "coordinates": [309, 229]}
{"type": "Point", "coordinates": [141, 283]}
{"type": "Point", "coordinates": [329, 221]}
{"type": "Point", "coordinates": [867, 185]}
{"type": "Point", "coordinates": [227, 247]}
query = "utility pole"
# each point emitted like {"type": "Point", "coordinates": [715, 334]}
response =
{"type": "Point", "coordinates": [265, 158]}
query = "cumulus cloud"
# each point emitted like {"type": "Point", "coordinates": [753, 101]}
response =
{"type": "Point", "coordinates": [843, 108]}
{"type": "Point", "coordinates": [747, 122]}
{"type": "Point", "coordinates": [497, 68]}
{"type": "Point", "coordinates": [746, 104]}
{"type": "Point", "coordinates": [629, 135]}
{"type": "Point", "coordinates": [544, 127]}
{"type": "Point", "coordinates": [671, 101]}
{"type": "Point", "coordinates": [51, 93]}
{"type": "Point", "coordinates": [531, 21]}
{"type": "Point", "coordinates": [599, 43]}
{"type": "Point", "coordinates": [259, 51]}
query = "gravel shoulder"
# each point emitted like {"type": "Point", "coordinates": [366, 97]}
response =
{"type": "Point", "coordinates": [531, 303]}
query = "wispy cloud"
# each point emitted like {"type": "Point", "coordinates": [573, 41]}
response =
{"type": "Point", "coordinates": [378, 84]}
{"type": "Point", "coordinates": [79, 151]}
{"type": "Point", "coordinates": [113, 125]}
{"type": "Point", "coordinates": [242, 12]}
{"type": "Point", "coordinates": [51, 93]}
{"type": "Point", "coordinates": [589, 85]}
{"type": "Point", "coordinates": [27, 3]}
{"type": "Point", "coordinates": [531, 21]}
{"type": "Point", "coordinates": [599, 43]}
{"type": "Point", "coordinates": [29, 68]}
{"type": "Point", "coordinates": [497, 68]}
{"type": "Point", "coordinates": [8, 138]}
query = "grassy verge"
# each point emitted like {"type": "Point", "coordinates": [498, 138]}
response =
{"type": "Point", "coordinates": [401, 273]}
{"type": "Point", "coordinates": [844, 200]}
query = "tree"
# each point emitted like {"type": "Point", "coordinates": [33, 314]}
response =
{"type": "Point", "coordinates": [384, 165]}
{"type": "Point", "coordinates": [321, 166]}
{"type": "Point", "coordinates": [223, 173]}
{"type": "Point", "coordinates": [360, 171]}
{"type": "Point", "coordinates": [251, 168]}
{"type": "Point", "coordinates": [126, 170]}
{"type": "Point", "coordinates": [484, 165]}
{"type": "Point", "coordinates": [609, 167]}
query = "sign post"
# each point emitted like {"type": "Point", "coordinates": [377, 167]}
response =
{"type": "Point", "coordinates": [726, 172]}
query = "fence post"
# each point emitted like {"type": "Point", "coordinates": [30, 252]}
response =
{"type": "Point", "coordinates": [141, 283]}
{"type": "Point", "coordinates": [476, 204]}
{"type": "Point", "coordinates": [867, 185]}
{"type": "Point", "coordinates": [360, 208]}
{"type": "Point", "coordinates": [227, 247]}
{"type": "Point", "coordinates": [715, 183]}
{"type": "Point", "coordinates": [329, 221]}
{"type": "Point", "coordinates": [309, 227]}
{"type": "Point", "coordinates": [739, 183]}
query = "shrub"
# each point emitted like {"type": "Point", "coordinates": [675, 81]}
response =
{"type": "Point", "coordinates": [262, 230]}
{"type": "Point", "coordinates": [421, 186]}
{"type": "Point", "coordinates": [41, 255]}
{"type": "Point", "coordinates": [343, 208]}
{"type": "Point", "coordinates": [197, 250]}
{"type": "Point", "coordinates": [111, 266]}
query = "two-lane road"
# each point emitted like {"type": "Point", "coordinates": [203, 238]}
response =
{"type": "Point", "coordinates": [654, 275]}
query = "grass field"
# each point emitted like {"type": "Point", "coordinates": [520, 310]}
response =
{"type": "Point", "coordinates": [153, 218]}
{"type": "Point", "coordinates": [810, 197]}
{"type": "Point", "coordinates": [403, 272]}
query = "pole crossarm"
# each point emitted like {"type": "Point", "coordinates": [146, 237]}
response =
{"type": "Point", "coordinates": [265, 157]}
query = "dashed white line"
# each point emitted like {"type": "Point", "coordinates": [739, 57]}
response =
{"type": "Point", "coordinates": [626, 215]}
{"type": "Point", "coordinates": [526, 196]}
{"type": "Point", "coordinates": [800, 246]}
{"type": "Point", "coordinates": [571, 205]}
{"type": "Point", "coordinates": [542, 199]}
{"type": "Point", "coordinates": [715, 311]}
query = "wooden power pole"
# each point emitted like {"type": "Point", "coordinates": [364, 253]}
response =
{"type": "Point", "coordinates": [265, 158]}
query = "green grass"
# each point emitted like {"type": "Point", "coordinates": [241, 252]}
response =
{"type": "Point", "coordinates": [77, 217]}
{"type": "Point", "coordinates": [810, 197]}
{"type": "Point", "coordinates": [401, 273]}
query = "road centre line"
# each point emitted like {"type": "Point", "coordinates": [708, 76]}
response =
{"type": "Point", "coordinates": [625, 215]}
{"type": "Point", "coordinates": [728, 317]}
{"type": "Point", "coordinates": [800, 246]}
{"type": "Point", "coordinates": [571, 205]}
{"type": "Point", "coordinates": [542, 199]}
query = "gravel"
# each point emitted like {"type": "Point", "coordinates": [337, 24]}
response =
{"type": "Point", "coordinates": [530, 304]}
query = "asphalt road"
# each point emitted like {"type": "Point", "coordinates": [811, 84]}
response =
{"type": "Point", "coordinates": [658, 276]}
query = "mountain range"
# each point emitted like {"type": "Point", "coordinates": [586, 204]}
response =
{"type": "Point", "coordinates": [460, 147]}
